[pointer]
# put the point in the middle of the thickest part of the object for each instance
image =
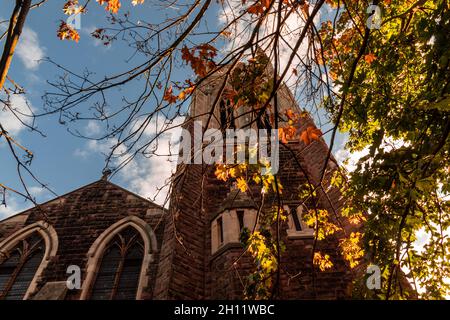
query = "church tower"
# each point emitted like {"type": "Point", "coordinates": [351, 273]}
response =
{"type": "Point", "coordinates": [202, 256]}
{"type": "Point", "coordinates": [122, 246]}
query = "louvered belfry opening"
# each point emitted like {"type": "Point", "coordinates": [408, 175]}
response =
{"type": "Point", "coordinates": [19, 267]}
{"type": "Point", "coordinates": [120, 267]}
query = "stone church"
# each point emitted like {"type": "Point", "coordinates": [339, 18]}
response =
{"type": "Point", "coordinates": [127, 247]}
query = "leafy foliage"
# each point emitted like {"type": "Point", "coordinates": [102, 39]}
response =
{"type": "Point", "coordinates": [397, 109]}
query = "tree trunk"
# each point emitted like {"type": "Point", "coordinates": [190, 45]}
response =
{"type": "Point", "coordinates": [14, 31]}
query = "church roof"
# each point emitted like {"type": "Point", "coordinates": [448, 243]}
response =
{"type": "Point", "coordinates": [25, 212]}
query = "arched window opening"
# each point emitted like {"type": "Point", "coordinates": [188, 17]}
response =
{"type": "Point", "coordinates": [120, 268]}
{"type": "Point", "coordinates": [19, 267]}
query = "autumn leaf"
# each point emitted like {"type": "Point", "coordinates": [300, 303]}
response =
{"type": "Point", "coordinates": [112, 6]}
{"type": "Point", "coordinates": [265, 3]}
{"type": "Point", "coordinates": [286, 133]}
{"type": "Point", "coordinates": [221, 172]}
{"type": "Point", "coordinates": [310, 134]}
{"type": "Point", "coordinates": [369, 58]}
{"type": "Point", "coordinates": [351, 249]}
{"type": "Point", "coordinates": [290, 114]}
{"type": "Point", "coordinates": [70, 7]}
{"type": "Point", "coordinates": [241, 184]}
{"type": "Point", "coordinates": [202, 62]}
{"type": "Point", "coordinates": [322, 261]}
{"type": "Point", "coordinates": [66, 32]}
{"type": "Point", "coordinates": [256, 9]}
{"type": "Point", "coordinates": [168, 95]}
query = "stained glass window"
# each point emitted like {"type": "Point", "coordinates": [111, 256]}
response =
{"type": "Point", "coordinates": [18, 268]}
{"type": "Point", "coordinates": [118, 275]}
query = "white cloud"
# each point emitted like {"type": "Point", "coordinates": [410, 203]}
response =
{"type": "Point", "coordinates": [144, 175]}
{"type": "Point", "coordinates": [290, 32]}
{"type": "Point", "coordinates": [92, 128]}
{"type": "Point", "coordinates": [13, 205]}
{"type": "Point", "coordinates": [81, 153]}
{"type": "Point", "coordinates": [349, 159]}
{"type": "Point", "coordinates": [29, 50]}
{"type": "Point", "coordinates": [19, 107]}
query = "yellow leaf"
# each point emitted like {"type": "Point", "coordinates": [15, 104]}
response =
{"type": "Point", "coordinates": [322, 261]}
{"type": "Point", "coordinates": [221, 172]}
{"type": "Point", "coordinates": [241, 184]}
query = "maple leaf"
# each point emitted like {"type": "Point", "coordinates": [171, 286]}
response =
{"type": "Point", "coordinates": [185, 92]}
{"type": "Point", "coordinates": [351, 249]}
{"type": "Point", "coordinates": [74, 35]}
{"type": "Point", "coordinates": [322, 261]}
{"type": "Point", "coordinates": [369, 58]}
{"type": "Point", "coordinates": [221, 172]}
{"type": "Point", "coordinates": [201, 63]}
{"type": "Point", "coordinates": [311, 133]}
{"type": "Point", "coordinates": [168, 95]}
{"type": "Point", "coordinates": [112, 6]}
{"type": "Point", "coordinates": [66, 32]}
{"type": "Point", "coordinates": [70, 7]}
{"type": "Point", "coordinates": [241, 184]}
{"type": "Point", "coordinates": [286, 133]}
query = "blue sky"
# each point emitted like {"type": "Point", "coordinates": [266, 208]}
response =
{"type": "Point", "coordinates": [63, 161]}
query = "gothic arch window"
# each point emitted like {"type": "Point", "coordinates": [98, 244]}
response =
{"type": "Point", "coordinates": [118, 274]}
{"type": "Point", "coordinates": [119, 260]}
{"type": "Point", "coordinates": [23, 257]}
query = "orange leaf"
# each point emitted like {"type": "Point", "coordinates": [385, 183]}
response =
{"type": "Point", "coordinates": [255, 9]}
{"type": "Point", "coordinates": [310, 134]}
{"type": "Point", "coordinates": [113, 6]}
{"type": "Point", "coordinates": [282, 135]}
{"type": "Point", "coordinates": [290, 114]}
{"type": "Point", "coordinates": [265, 3]}
{"type": "Point", "coordinates": [369, 58]}
{"type": "Point", "coordinates": [168, 96]}
{"type": "Point", "coordinates": [67, 32]}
